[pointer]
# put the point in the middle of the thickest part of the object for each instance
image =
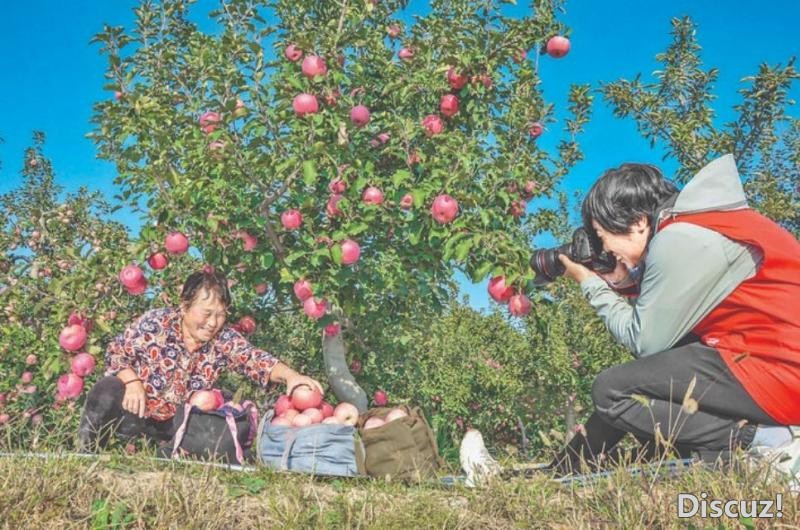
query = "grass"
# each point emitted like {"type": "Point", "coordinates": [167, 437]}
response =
{"type": "Point", "coordinates": [121, 491]}
{"type": "Point", "coordinates": [118, 490]}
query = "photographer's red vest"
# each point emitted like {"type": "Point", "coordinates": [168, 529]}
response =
{"type": "Point", "coordinates": [756, 328]}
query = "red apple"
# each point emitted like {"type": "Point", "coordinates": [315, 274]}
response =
{"type": "Point", "coordinates": [355, 367]}
{"type": "Point", "coordinates": [530, 189]}
{"type": "Point", "coordinates": [518, 208]}
{"type": "Point", "coordinates": [138, 288]}
{"type": "Point", "coordinates": [557, 46]}
{"type": "Point", "coordinates": [314, 307]}
{"type": "Point", "coordinates": [83, 364]}
{"type": "Point", "coordinates": [301, 420]}
{"type": "Point", "coordinates": [282, 404]}
{"type": "Point", "coordinates": [433, 125]}
{"type": "Point", "coordinates": [209, 121]}
{"type": "Point", "coordinates": [393, 31]}
{"type": "Point", "coordinates": [72, 338]}
{"type": "Point", "coordinates": [69, 386]}
{"type": "Point", "coordinates": [331, 330]}
{"type": "Point", "coordinates": [176, 243]}
{"type": "Point", "coordinates": [327, 409]}
{"type": "Point", "coordinates": [305, 397]}
{"type": "Point", "coordinates": [499, 291]}
{"type": "Point", "coordinates": [449, 105]}
{"type": "Point", "coordinates": [372, 196]}
{"type": "Point", "coordinates": [207, 400]}
{"type": "Point", "coordinates": [131, 276]}
{"type": "Point", "coordinates": [26, 378]}
{"type": "Point", "coordinates": [346, 413]}
{"type": "Point", "coordinates": [444, 209]}
{"type": "Point", "coordinates": [158, 261]}
{"type": "Point", "coordinates": [413, 158]}
{"type": "Point", "coordinates": [380, 398]}
{"type": "Point", "coordinates": [315, 415]}
{"type": "Point", "coordinates": [407, 201]}
{"type": "Point", "coordinates": [30, 360]}
{"type": "Point", "coordinates": [351, 251]}
{"type": "Point", "coordinates": [247, 324]}
{"type": "Point", "coordinates": [314, 65]}
{"type": "Point", "coordinates": [332, 207]}
{"type": "Point", "coordinates": [395, 414]}
{"type": "Point", "coordinates": [4, 418]}
{"type": "Point", "coordinates": [80, 319]}
{"type": "Point", "coordinates": [406, 54]}
{"type": "Point", "coordinates": [117, 95]}
{"type": "Point", "coordinates": [303, 290]}
{"type": "Point", "coordinates": [289, 414]}
{"type": "Point", "coordinates": [359, 115]}
{"type": "Point", "coordinates": [337, 186]}
{"type": "Point", "coordinates": [303, 104]}
{"type": "Point", "coordinates": [519, 305]}
{"type": "Point", "coordinates": [291, 219]}
{"type": "Point", "coordinates": [456, 80]}
{"type": "Point", "coordinates": [249, 241]}
{"type": "Point", "coordinates": [293, 53]}
{"type": "Point", "coordinates": [373, 423]}
{"type": "Point", "coordinates": [536, 130]}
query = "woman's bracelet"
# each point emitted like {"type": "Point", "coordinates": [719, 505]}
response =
{"type": "Point", "coordinates": [132, 380]}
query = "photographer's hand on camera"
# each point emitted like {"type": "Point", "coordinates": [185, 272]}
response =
{"type": "Point", "coordinates": [576, 271]}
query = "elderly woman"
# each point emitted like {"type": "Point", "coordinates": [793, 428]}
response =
{"type": "Point", "coordinates": [164, 356]}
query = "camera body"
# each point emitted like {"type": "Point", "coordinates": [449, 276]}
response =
{"type": "Point", "coordinates": [582, 249]}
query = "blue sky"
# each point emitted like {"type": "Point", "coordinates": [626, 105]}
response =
{"type": "Point", "coordinates": [51, 75]}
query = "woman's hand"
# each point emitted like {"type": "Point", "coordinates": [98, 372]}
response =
{"type": "Point", "coordinates": [576, 271]}
{"type": "Point", "coordinates": [295, 380]}
{"type": "Point", "coordinates": [135, 399]}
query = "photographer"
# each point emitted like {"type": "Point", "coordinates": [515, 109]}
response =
{"type": "Point", "coordinates": [717, 315]}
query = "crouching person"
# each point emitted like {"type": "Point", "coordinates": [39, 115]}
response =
{"type": "Point", "coordinates": [167, 354]}
{"type": "Point", "coordinates": [709, 267]}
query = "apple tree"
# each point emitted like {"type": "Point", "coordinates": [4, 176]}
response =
{"type": "Point", "coordinates": [675, 111]}
{"type": "Point", "coordinates": [59, 259]}
{"type": "Point", "coordinates": [339, 157]}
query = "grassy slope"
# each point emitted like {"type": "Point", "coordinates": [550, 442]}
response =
{"type": "Point", "coordinates": [140, 493]}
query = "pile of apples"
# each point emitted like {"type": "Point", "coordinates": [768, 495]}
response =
{"type": "Point", "coordinates": [306, 407]}
{"type": "Point", "coordinates": [376, 421]}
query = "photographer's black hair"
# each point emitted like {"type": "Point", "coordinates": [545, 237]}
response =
{"type": "Point", "coordinates": [213, 282]}
{"type": "Point", "coordinates": [624, 195]}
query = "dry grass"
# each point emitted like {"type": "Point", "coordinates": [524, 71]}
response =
{"type": "Point", "coordinates": [118, 491]}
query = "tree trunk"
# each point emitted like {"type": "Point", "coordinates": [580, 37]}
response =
{"type": "Point", "coordinates": [340, 379]}
{"type": "Point", "coordinates": [569, 417]}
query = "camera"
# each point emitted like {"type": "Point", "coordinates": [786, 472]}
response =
{"type": "Point", "coordinates": [582, 249]}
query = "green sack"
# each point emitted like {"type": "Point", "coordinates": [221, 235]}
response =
{"type": "Point", "coordinates": [403, 449]}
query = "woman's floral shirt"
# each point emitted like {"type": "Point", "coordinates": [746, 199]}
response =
{"type": "Point", "coordinates": [153, 347]}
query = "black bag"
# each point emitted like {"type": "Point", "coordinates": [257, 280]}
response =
{"type": "Point", "coordinates": [223, 434]}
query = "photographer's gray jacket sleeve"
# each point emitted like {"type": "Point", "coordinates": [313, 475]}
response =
{"type": "Point", "coordinates": [688, 271]}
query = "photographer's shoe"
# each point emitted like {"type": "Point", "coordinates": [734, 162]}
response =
{"type": "Point", "coordinates": [783, 460]}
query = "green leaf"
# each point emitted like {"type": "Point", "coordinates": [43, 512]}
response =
{"type": "Point", "coordinates": [336, 252]}
{"type": "Point", "coordinates": [309, 173]}
{"type": "Point", "coordinates": [400, 176]}
{"type": "Point", "coordinates": [267, 260]}
{"type": "Point", "coordinates": [462, 250]}
{"type": "Point", "coordinates": [482, 271]}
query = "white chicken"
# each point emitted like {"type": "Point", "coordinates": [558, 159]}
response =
{"type": "Point", "coordinates": [476, 461]}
